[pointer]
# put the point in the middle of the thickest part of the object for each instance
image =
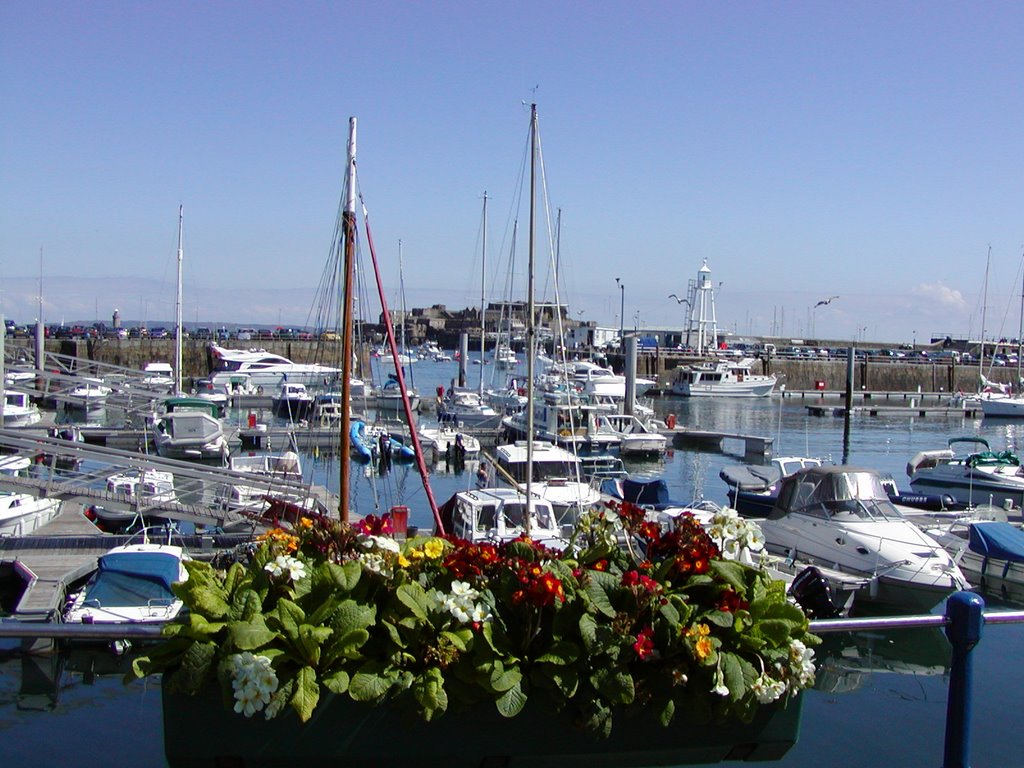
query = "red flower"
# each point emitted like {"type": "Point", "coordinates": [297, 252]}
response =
{"type": "Point", "coordinates": [731, 601]}
{"type": "Point", "coordinates": [600, 565]}
{"type": "Point", "coordinates": [644, 645]}
{"type": "Point", "coordinates": [371, 525]}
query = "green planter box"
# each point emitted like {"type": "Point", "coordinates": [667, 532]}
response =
{"type": "Point", "coordinates": [201, 731]}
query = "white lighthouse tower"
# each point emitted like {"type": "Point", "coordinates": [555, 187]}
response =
{"type": "Point", "coordinates": [702, 311]}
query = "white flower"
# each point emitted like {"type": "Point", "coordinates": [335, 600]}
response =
{"type": "Point", "coordinates": [801, 665]}
{"type": "Point", "coordinates": [375, 563]}
{"type": "Point", "coordinates": [767, 689]}
{"type": "Point", "coordinates": [286, 565]}
{"type": "Point", "coordinates": [481, 613]}
{"type": "Point", "coordinates": [720, 687]}
{"type": "Point", "coordinates": [253, 681]}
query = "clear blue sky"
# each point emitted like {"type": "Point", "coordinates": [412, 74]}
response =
{"type": "Point", "coordinates": [873, 151]}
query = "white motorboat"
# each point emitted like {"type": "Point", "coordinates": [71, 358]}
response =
{"type": "Point", "coordinates": [191, 434]}
{"type": "Point", "coordinates": [449, 443]}
{"type": "Point", "coordinates": [636, 439]}
{"type": "Point", "coordinates": [500, 514]}
{"type": "Point", "coordinates": [328, 410]}
{"type": "Point", "coordinates": [284, 466]}
{"type": "Point", "coordinates": [292, 402]}
{"type": "Point", "coordinates": [557, 476]}
{"type": "Point", "coordinates": [841, 517]}
{"type": "Point", "coordinates": [22, 513]}
{"type": "Point", "coordinates": [158, 376]}
{"type": "Point", "coordinates": [564, 419]}
{"type": "Point", "coordinates": [722, 378]}
{"type": "Point", "coordinates": [142, 485]}
{"type": "Point", "coordinates": [753, 488]}
{"type": "Point", "coordinates": [459, 405]}
{"type": "Point", "coordinates": [91, 394]}
{"type": "Point", "coordinates": [978, 477]}
{"type": "Point", "coordinates": [389, 397]}
{"type": "Point", "coordinates": [132, 584]}
{"type": "Point", "coordinates": [505, 357]}
{"type": "Point", "coordinates": [265, 369]}
{"type": "Point", "coordinates": [19, 410]}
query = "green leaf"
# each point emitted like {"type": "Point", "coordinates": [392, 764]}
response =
{"type": "Point", "coordinates": [202, 592]}
{"type": "Point", "coordinates": [337, 682]}
{"type": "Point", "coordinates": [560, 653]}
{"type": "Point", "coordinates": [370, 683]}
{"type": "Point", "coordinates": [428, 688]}
{"type": "Point", "coordinates": [307, 693]}
{"type": "Point", "coordinates": [196, 665]}
{"type": "Point", "coordinates": [777, 631]}
{"type": "Point", "coordinates": [454, 640]}
{"type": "Point", "coordinates": [666, 713]}
{"type": "Point", "coordinates": [588, 631]}
{"type": "Point", "coordinates": [233, 578]}
{"type": "Point", "coordinates": [309, 641]}
{"type": "Point", "coordinates": [250, 635]}
{"type": "Point", "coordinates": [246, 604]}
{"type": "Point", "coordinates": [414, 597]}
{"type": "Point", "coordinates": [732, 573]}
{"type": "Point", "coordinates": [615, 685]}
{"type": "Point", "coordinates": [600, 589]}
{"type": "Point", "coordinates": [160, 657]}
{"type": "Point", "coordinates": [287, 617]}
{"type": "Point", "coordinates": [503, 679]}
{"type": "Point", "coordinates": [351, 615]}
{"type": "Point", "coordinates": [670, 614]}
{"type": "Point", "coordinates": [344, 646]}
{"type": "Point", "coordinates": [732, 670]}
{"type": "Point", "coordinates": [511, 703]}
{"type": "Point", "coordinates": [719, 619]}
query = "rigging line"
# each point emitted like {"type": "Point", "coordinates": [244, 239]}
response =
{"type": "Point", "coordinates": [417, 448]}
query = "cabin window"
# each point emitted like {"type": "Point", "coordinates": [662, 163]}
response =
{"type": "Point", "coordinates": [513, 515]}
{"type": "Point", "coordinates": [485, 521]}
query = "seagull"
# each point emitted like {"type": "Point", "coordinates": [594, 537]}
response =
{"type": "Point", "coordinates": [823, 302]}
{"type": "Point", "coordinates": [678, 300]}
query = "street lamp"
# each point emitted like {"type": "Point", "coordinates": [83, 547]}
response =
{"type": "Point", "coordinates": [915, 340]}
{"type": "Point", "coordinates": [622, 310]}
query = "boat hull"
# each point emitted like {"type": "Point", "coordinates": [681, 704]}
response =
{"type": "Point", "coordinates": [201, 731]}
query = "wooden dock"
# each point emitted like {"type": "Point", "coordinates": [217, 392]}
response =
{"type": "Point", "coordinates": [52, 566]}
{"type": "Point", "coordinates": [754, 446]}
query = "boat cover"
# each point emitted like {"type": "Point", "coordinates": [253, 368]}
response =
{"type": "Point", "coordinates": [998, 539]}
{"type": "Point", "coordinates": [132, 579]}
{"type": "Point", "coordinates": [650, 493]}
{"type": "Point", "coordinates": [749, 477]}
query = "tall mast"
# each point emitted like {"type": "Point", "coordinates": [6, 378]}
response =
{"type": "Point", "coordinates": [1020, 330]}
{"type": "Point", "coordinates": [177, 311]}
{"type": "Point", "coordinates": [984, 307]}
{"type": "Point", "coordinates": [531, 331]}
{"type": "Point", "coordinates": [483, 281]}
{"type": "Point", "coordinates": [348, 226]}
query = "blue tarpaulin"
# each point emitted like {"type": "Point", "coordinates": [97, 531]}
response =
{"type": "Point", "coordinates": [132, 579]}
{"type": "Point", "coordinates": [997, 540]}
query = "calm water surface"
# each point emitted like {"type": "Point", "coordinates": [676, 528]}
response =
{"type": "Point", "coordinates": [880, 698]}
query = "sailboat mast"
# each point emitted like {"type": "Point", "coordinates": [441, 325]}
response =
{"type": "Point", "coordinates": [483, 282]}
{"type": "Point", "coordinates": [531, 337]}
{"type": "Point", "coordinates": [177, 311]}
{"type": "Point", "coordinates": [348, 226]}
{"type": "Point", "coordinates": [1020, 329]}
{"type": "Point", "coordinates": [984, 308]}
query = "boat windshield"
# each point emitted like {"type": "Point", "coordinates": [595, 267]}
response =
{"type": "Point", "coordinates": [843, 496]}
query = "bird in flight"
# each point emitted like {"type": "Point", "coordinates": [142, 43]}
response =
{"type": "Point", "coordinates": [678, 300]}
{"type": "Point", "coordinates": [825, 301]}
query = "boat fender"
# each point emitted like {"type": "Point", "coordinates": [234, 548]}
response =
{"type": "Point", "coordinates": [670, 421]}
{"type": "Point", "coordinates": [259, 390]}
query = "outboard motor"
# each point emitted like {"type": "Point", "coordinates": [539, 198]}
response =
{"type": "Point", "coordinates": [811, 590]}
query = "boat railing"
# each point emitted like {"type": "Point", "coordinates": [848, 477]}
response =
{"type": "Point", "coordinates": [963, 621]}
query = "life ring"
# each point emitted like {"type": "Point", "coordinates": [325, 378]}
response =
{"type": "Point", "coordinates": [259, 390]}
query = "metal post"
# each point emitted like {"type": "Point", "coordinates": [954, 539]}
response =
{"type": "Point", "coordinates": [965, 617]}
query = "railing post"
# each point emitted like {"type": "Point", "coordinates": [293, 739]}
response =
{"type": "Point", "coordinates": [965, 617]}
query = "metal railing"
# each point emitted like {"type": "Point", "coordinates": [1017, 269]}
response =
{"type": "Point", "coordinates": [963, 621]}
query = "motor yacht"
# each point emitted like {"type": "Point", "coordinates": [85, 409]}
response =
{"type": "Point", "coordinates": [266, 370]}
{"type": "Point", "coordinates": [978, 477]}
{"type": "Point", "coordinates": [841, 517]}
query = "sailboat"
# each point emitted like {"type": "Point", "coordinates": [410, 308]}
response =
{"type": "Point", "coordinates": [1011, 407]}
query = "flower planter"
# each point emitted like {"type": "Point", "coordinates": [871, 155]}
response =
{"type": "Point", "coordinates": [201, 731]}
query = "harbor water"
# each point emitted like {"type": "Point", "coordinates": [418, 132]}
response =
{"type": "Point", "coordinates": [880, 697]}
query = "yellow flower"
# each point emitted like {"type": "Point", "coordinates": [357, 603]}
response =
{"type": "Point", "coordinates": [306, 522]}
{"type": "Point", "coordinates": [416, 554]}
{"type": "Point", "coordinates": [698, 631]}
{"type": "Point", "coordinates": [403, 561]}
{"type": "Point", "coordinates": [433, 549]}
{"type": "Point", "coordinates": [703, 648]}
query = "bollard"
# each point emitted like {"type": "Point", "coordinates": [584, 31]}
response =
{"type": "Point", "coordinates": [965, 617]}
